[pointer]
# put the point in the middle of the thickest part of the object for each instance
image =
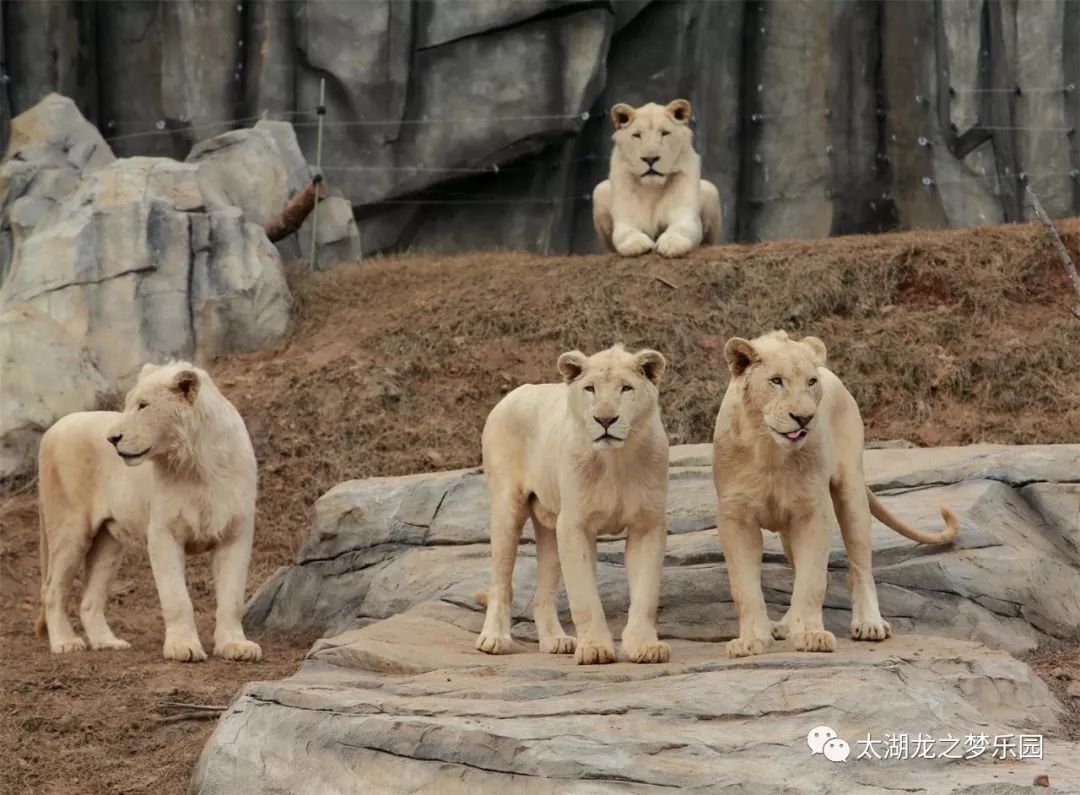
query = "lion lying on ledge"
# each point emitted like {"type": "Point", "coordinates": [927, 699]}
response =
{"type": "Point", "coordinates": [654, 197]}
{"type": "Point", "coordinates": [174, 471]}
{"type": "Point", "coordinates": [788, 457]}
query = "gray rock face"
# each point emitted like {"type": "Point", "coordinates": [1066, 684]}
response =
{"type": "Point", "coordinates": [382, 545]}
{"type": "Point", "coordinates": [813, 118]}
{"type": "Point", "coordinates": [137, 259]}
{"type": "Point", "coordinates": [407, 705]}
{"type": "Point", "coordinates": [44, 374]}
{"type": "Point", "coordinates": [396, 699]}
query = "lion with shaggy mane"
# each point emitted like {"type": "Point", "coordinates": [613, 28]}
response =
{"type": "Point", "coordinates": [788, 457]}
{"type": "Point", "coordinates": [175, 471]}
{"type": "Point", "coordinates": [582, 458]}
{"type": "Point", "coordinates": [654, 197]}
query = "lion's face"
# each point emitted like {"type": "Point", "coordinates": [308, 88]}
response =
{"type": "Point", "coordinates": [652, 142]}
{"type": "Point", "coordinates": [779, 383]}
{"type": "Point", "coordinates": [154, 412]}
{"type": "Point", "coordinates": [612, 392]}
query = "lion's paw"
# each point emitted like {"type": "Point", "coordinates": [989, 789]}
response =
{"type": "Point", "coordinates": [594, 654]}
{"type": "Point", "coordinates": [245, 650]}
{"type": "Point", "coordinates": [495, 644]}
{"type": "Point", "coordinates": [67, 646]}
{"type": "Point", "coordinates": [816, 640]}
{"type": "Point", "coordinates": [559, 644]}
{"type": "Point", "coordinates": [655, 652]}
{"type": "Point", "coordinates": [184, 650]}
{"type": "Point", "coordinates": [111, 644]}
{"type": "Point", "coordinates": [746, 647]}
{"type": "Point", "coordinates": [635, 245]}
{"type": "Point", "coordinates": [870, 630]}
{"type": "Point", "coordinates": [672, 244]}
{"type": "Point", "coordinates": [780, 630]}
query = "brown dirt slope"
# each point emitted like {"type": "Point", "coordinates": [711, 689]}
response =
{"type": "Point", "coordinates": [944, 337]}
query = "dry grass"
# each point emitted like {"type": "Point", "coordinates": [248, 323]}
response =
{"type": "Point", "coordinates": [945, 337]}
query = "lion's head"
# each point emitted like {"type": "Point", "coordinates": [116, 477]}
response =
{"type": "Point", "coordinates": [155, 411]}
{"type": "Point", "coordinates": [654, 141]}
{"type": "Point", "coordinates": [779, 384]}
{"type": "Point", "coordinates": [612, 392]}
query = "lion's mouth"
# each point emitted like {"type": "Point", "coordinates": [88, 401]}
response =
{"type": "Point", "coordinates": [608, 439]}
{"type": "Point", "coordinates": [651, 172]}
{"type": "Point", "coordinates": [792, 436]}
{"type": "Point", "coordinates": [132, 456]}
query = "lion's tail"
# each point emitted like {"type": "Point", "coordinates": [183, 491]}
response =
{"type": "Point", "coordinates": [946, 536]}
{"type": "Point", "coordinates": [480, 597]}
{"type": "Point", "coordinates": [40, 627]}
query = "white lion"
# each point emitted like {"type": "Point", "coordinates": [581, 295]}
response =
{"type": "Point", "coordinates": [654, 196]}
{"type": "Point", "coordinates": [583, 458]}
{"type": "Point", "coordinates": [787, 456]}
{"type": "Point", "coordinates": [175, 471]}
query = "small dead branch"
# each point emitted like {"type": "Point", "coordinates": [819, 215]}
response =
{"type": "Point", "coordinates": [670, 284]}
{"type": "Point", "coordinates": [1062, 252]}
{"type": "Point", "coordinates": [182, 705]}
{"type": "Point", "coordinates": [182, 716]}
{"type": "Point", "coordinates": [295, 212]}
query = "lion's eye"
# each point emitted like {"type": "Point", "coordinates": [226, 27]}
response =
{"type": "Point", "coordinates": [813, 381]}
{"type": "Point", "coordinates": [664, 133]}
{"type": "Point", "coordinates": [637, 135]}
{"type": "Point", "coordinates": [142, 404]}
{"type": "Point", "coordinates": [627, 388]}
{"type": "Point", "coordinates": [590, 389]}
{"type": "Point", "coordinates": [776, 381]}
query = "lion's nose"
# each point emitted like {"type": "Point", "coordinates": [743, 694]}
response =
{"type": "Point", "coordinates": [804, 420]}
{"type": "Point", "coordinates": [115, 439]}
{"type": "Point", "coordinates": [606, 422]}
{"type": "Point", "coordinates": [650, 160]}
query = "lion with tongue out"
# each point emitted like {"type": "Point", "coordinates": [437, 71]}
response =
{"type": "Point", "coordinates": [787, 456]}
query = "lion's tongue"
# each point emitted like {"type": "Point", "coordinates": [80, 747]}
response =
{"type": "Point", "coordinates": [795, 435]}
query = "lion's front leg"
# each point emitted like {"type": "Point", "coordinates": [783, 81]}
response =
{"type": "Point", "coordinates": [809, 541]}
{"type": "Point", "coordinates": [577, 554]}
{"type": "Point", "coordinates": [630, 241]}
{"type": "Point", "coordinates": [743, 546]}
{"type": "Point", "coordinates": [645, 544]}
{"type": "Point", "coordinates": [167, 562]}
{"type": "Point", "coordinates": [681, 237]}
{"type": "Point", "coordinates": [230, 576]}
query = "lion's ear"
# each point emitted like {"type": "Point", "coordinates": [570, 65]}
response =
{"type": "Point", "coordinates": [817, 349]}
{"type": "Point", "coordinates": [621, 115]}
{"type": "Point", "coordinates": [740, 354]}
{"type": "Point", "coordinates": [571, 365]}
{"type": "Point", "coordinates": [680, 110]}
{"type": "Point", "coordinates": [652, 364]}
{"type": "Point", "coordinates": [147, 368]}
{"type": "Point", "coordinates": [186, 384]}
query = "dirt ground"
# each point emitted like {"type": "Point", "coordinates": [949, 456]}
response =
{"type": "Point", "coordinates": [943, 337]}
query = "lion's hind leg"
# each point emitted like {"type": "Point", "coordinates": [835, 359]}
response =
{"type": "Point", "coordinates": [508, 514]}
{"type": "Point", "coordinates": [601, 209]}
{"type": "Point", "coordinates": [67, 538]}
{"type": "Point", "coordinates": [553, 639]}
{"type": "Point", "coordinates": [712, 218]}
{"type": "Point", "coordinates": [102, 562]}
{"type": "Point", "coordinates": [853, 514]}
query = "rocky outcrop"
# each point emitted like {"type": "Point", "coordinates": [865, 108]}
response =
{"type": "Point", "coordinates": [396, 698]}
{"type": "Point", "coordinates": [133, 259]}
{"type": "Point", "coordinates": [44, 374]}
{"type": "Point", "coordinates": [382, 545]}
{"type": "Point", "coordinates": [457, 126]}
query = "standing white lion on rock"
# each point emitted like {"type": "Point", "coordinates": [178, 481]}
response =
{"type": "Point", "coordinates": [583, 458]}
{"type": "Point", "coordinates": [654, 197]}
{"type": "Point", "coordinates": [175, 471]}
